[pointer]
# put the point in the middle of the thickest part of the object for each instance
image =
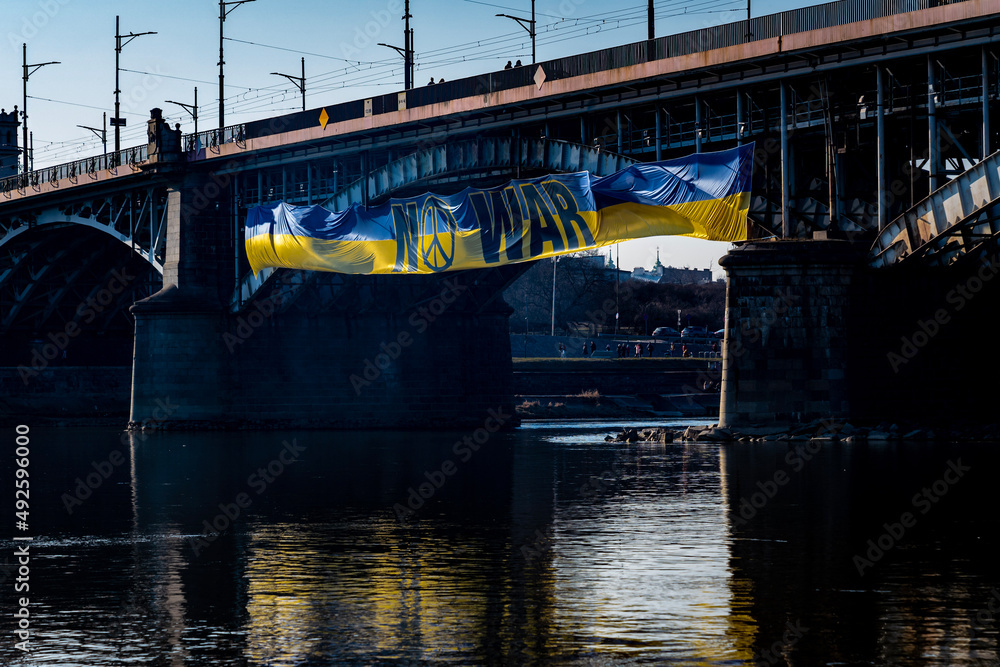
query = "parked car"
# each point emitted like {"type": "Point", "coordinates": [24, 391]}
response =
{"type": "Point", "coordinates": [665, 332]}
{"type": "Point", "coordinates": [694, 332]}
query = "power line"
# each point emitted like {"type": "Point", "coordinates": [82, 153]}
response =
{"type": "Point", "coordinates": [304, 53]}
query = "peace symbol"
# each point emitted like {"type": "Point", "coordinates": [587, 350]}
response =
{"type": "Point", "coordinates": [437, 235]}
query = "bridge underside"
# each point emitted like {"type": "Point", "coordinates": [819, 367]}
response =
{"type": "Point", "coordinates": [65, 295]}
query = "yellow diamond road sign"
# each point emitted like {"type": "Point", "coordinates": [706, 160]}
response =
{"type": "Point", "coordinates": [324, 118]}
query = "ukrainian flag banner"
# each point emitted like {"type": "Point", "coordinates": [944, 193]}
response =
{"type": "Point", "coordinates": [705, 195]}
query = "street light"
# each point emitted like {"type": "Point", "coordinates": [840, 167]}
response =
{"type": "Point", "coordinates": [527, 24]}
{"type": "Point", "coordinates": [28, 71]}
{"type": "Point", "coordinates": [555, 261]}
{"type": "Point", "coordinates": [407, 80]}
{"type": "Point", "coordinates": [102, 134]}
{"type": "Point", "coordinates": [191, 109]}
{"type": "Point", "coordinates": [118, 122]}
{"type": "Point", "coordinates": [299, 81]}
{"type": "Point", "coordinates": [223, 13]}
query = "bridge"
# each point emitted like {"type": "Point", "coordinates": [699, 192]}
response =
{"type": "Point", "coordinates": [874, 166]}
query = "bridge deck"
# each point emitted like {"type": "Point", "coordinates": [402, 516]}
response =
{"type": "Point", "coordinates": [780, 44]}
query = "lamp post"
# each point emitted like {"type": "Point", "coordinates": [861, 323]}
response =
{"type": "Point", "coordinates": [28, 71]}
{"type": "Point", "coordinates": [117, 121]}
{"type": "Point", "coordinates": [555, 262]}
{"type": "Point", "coordinates": [191, 109]}
{"type": "Point", "coordinates": [618, 272]}
{"type": "Point", "coordinates": [407, 80]}
{"type": "Point", "coordinates": [223, 13]}
{"type": "Point", "coordinates": [527, 24]}
{"type": "Point", "coordinates": [299, 81]}
{"type": "Point", "coordinates": [102, 134]}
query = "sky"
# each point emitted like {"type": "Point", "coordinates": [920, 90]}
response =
{"type": "Point", "coordinates": [339, 41]}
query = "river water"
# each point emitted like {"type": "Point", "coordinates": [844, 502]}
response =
{"type": "Point", "coordinates": [542, 546]}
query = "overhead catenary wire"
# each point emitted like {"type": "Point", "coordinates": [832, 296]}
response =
{"type": "Point", "coordinates": [357, 75]}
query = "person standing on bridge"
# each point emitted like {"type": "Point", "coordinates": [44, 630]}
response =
{"type": "Point", "coordinates": [593, 347]}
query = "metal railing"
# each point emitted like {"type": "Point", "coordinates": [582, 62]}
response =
{"type": "Point", "coordinates": [127, 158]}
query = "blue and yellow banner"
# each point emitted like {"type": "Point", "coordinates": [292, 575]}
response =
{"type": "Point", "coordinates": [705, 195]}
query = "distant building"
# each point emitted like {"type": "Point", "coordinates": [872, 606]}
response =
{"type": "Point", "coordinates": [672, 276]}
{"type": "Point", "coordinates": [598, 266]}
{"type": "Point", "coordinates": [9, 152]}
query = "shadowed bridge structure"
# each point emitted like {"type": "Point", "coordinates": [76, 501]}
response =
{"type": "Point", "coordinates": [873, 132]}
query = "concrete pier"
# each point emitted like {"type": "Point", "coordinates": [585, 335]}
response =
{"type": "Point", "coordinates": [786, 350]}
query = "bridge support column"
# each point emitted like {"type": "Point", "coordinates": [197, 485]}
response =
{"type": "Point", "coordinates": [697, 124]}
{"type": "Point", "coordinates": [659, 134]}
{"type": "Point", "coordinates": [785, 355]}
{"type": "Point", "coordinates": [883, 212]}
{"type": "Point", "coordinates": [740, 126]}
{"type": "Point", "coordinates": [786, 222]}
{"type": "Point", "coordinates": [180, 370]}
{"type": "Point", "coordinates": [986, 103]}
{"type": "Point", "coordinates": [933, 156]}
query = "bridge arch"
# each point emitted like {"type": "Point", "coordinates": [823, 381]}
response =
{"type": "Point", "coordinates": [136, 219]}
{"type": "Point", "coordinates": [71, 286]}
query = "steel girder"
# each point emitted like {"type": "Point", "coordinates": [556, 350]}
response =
{"type": "Point", "coordinates": [137, 218]}
{"type": "Point", "coordinates": [952, 221]}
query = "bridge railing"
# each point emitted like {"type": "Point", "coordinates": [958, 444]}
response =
{"type": "Point", "coordinates": [85, 167]}
{"type": "Point", "coordinates": [214, 138]}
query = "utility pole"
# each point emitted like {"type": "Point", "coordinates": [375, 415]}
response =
{"type": "Point", "coordinates": [527, 24]}
{"type": "Point", "coordinates": [618, 272]}
{"type": "Point", "coordinates": [406, 51]}
{"type": "Point", "coordinates": [555, 262]}
{"type": "Point", "coordinates": [408, 45]}
{"type": "Point", "coordinates": [299, 81]}
{"type": "Point", "coordinates": [102, 134]}
{"type": "Point", "coordinates": [118, 122]}
{"type": "Point", "coordinates": [651, 22]}
{"type": "Point", "coordinates": [190, 108]}
{"type": "Point", "coordinates": [223, 13]}
{"type": "Point", "coordinates": [28, 71]}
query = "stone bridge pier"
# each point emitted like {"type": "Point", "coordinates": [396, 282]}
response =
{"type": "Point", "coordinates": [813, 332]}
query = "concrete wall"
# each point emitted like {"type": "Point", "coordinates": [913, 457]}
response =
{"type": "Point", "coordinates": [612, 377]}
{"type": "Point", "coordinates": [65, 392]}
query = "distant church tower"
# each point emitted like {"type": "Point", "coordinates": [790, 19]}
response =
{"type": "Point", "coordinates": [9, 152]}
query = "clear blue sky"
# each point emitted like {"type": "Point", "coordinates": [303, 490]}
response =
{"type": "Point", "coordinates": [452, 39]}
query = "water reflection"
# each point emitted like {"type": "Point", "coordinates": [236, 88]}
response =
{"type": "Point", "coordinates": [545, 546]}
{"type": "Point", "coordinates": [802, 550]}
